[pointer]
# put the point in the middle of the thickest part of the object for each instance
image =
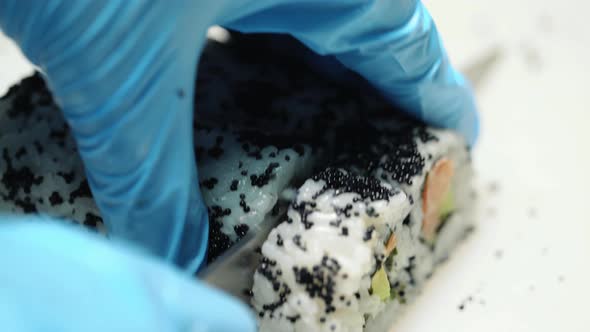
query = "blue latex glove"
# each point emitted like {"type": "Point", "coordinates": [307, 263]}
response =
{"type": "Point", "coordinates": [56, 279]}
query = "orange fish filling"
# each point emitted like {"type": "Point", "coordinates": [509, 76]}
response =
{"type": "Point", "coordinates": [436, 187]}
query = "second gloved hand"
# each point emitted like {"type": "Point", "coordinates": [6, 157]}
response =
{"type": "Point", "coordinates": [56, 278]}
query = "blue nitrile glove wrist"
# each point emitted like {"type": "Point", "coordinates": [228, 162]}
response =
{"type": "Point", "coordinates": [56, 278]}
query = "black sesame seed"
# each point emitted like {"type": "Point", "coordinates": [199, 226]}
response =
{"type": "Point", "coordinates": [55, 199]}
{"type": "Point", "coordinates": [241, 230]}
{"type": "Point", "coordinates": [234, 185]}
{"type": "Point", "coordinates": [210, 183]}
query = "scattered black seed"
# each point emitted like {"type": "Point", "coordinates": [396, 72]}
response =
{"type": "Point", "coordinates": [406, 221]}
{"type": "Point", "coordinates": [371, 212]}
{"type": "Point", "coordinates": [425, 135]}
{"type": "Point", "coordinates": [297, 241]}
{"type": "Point", "coordinates": [243, 204]}
{"type": "Point", "coordinates": [241, 230]}
{"type": "Point", "coordinates": [15, 179]}
{"type": "Point", "coordinates": [219, 242]}
{"type": "Point", "coordinates": [409, 269]}
{"type": "Point", "coordinates": [92, 220]}
{"type": "Point", "coordinates": [55, 199]}
{"type": "Point", "coordinates": [336, 223]}
{"type": "Point", "coordinates": [494, 187]}
{"type": "Point", "coordinates": [83, 190]}
{"type": "Point", "coordinates": [287, 158]}
{"type": "Point", "coordinates": [68, 177]}
{"type": "Point", "coordinates": [234, 185]}
{"type": "Point", "coordinates": [275, 210]}
{"type": "Point", "coordinates": [247, 292]}
{"type": "Point", "coordinates": [210, 183]}
{"type": "Point", "coordinates": [304, 212]}
{"type": "Point", "coordinates": [20, 152]}
{"type": "Point", "coordinates": [279, 240]}
{"type": "Point", "coordinates": [215, 152]}
{"type": "Point", "coordinates": [38, 147]}
{"type": "Point", "coordinates": [369, 233]}
{"type": "Point", "coordinates": [532, 213]}
{"type": "Point", "coordinates": [345, 231]}
{"type": "Point", "coordinates": [263, 179]}
{"type": "Point", "coordinates": [244, 173]}
{"type": "Point", "coordinates": [498, 254]}
{"type": "Point", "coordinates": [26, 205]}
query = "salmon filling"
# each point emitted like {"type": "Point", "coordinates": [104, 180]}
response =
{"type": "Point", "coordinates": [435, 196]}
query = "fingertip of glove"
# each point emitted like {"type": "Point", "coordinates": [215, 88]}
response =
{"type": "Point", "coordinates": [450, 106]}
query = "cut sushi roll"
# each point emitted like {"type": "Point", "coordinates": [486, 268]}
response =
{"type": "Point", "coordinates": [360, 240]}
{"type": "Point", "coordinates": [388, 201]}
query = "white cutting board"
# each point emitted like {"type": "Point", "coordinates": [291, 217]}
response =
{"type": "Point", "coordinates": [527, 266]}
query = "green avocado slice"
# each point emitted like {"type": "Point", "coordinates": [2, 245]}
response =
{"type": "Point", "coordinates": [448, 204]}
{"type": "Point", "coordinates": [380, 284]}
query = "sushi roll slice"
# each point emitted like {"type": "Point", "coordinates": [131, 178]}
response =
{"type": "Point", "coordinates": [41, 171]}
{"type": "Point", "coordinates": [360, 239]}
{"type": "Point", "coordinates": [242, 173]}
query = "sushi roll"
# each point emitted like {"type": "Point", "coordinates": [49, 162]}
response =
{"type": "Point", "coordinates": [242, 172]}
{"type": "Point", "coordinates": [361, 238]}
{"type": "Point", "coordinates": [375, 199]}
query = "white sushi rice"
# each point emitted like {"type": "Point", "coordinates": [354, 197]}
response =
{"type": "Point", "coordinates": [336, 296]}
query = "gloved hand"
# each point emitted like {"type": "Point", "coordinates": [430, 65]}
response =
{"type": "Point", "coordinates": [56, 279]}
{"type": "Point", "coordinates": [124, 71]}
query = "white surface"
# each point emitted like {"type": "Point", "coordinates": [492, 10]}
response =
{"type": "Point", "coordinates": [527, 267]}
